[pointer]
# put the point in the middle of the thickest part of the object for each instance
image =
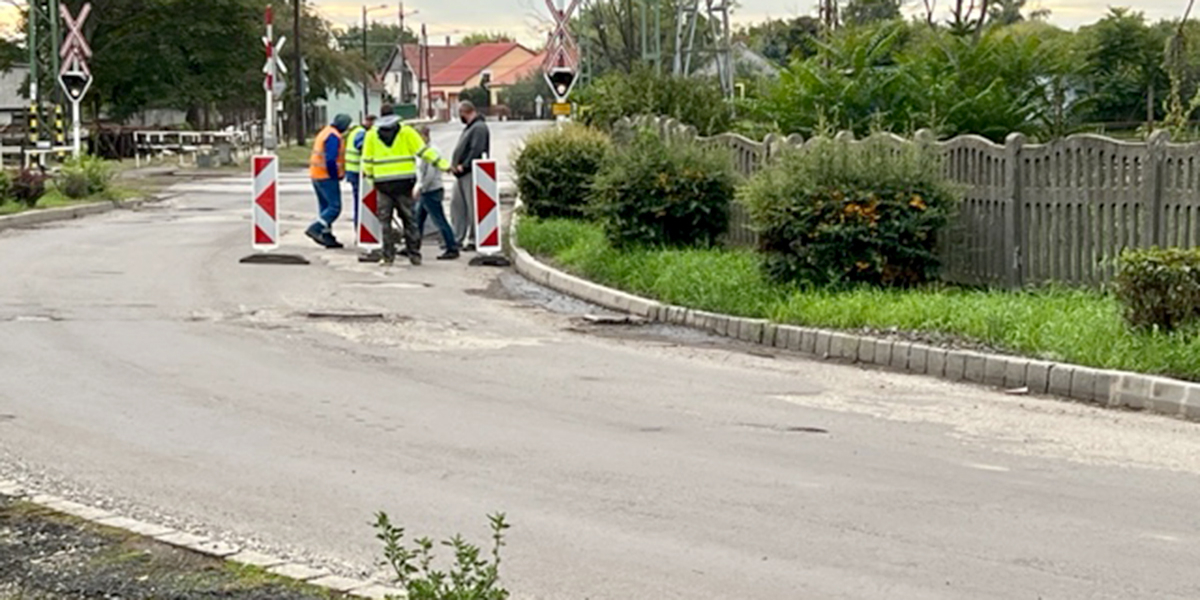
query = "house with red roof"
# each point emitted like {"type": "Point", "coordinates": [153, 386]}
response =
{"type": "Point", "coordinates": [453, 69]}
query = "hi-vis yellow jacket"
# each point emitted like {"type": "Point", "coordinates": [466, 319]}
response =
{"type": "Point", "coordinates": [397, 160]}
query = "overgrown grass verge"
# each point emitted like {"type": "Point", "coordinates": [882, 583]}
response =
{"type": "Point", "coordinates": [54, 198]}
{"type": "Point", "coordinates": [1072, 326]}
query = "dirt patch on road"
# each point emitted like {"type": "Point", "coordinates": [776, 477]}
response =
{"type": "Point", "coordinates": [50, 556]}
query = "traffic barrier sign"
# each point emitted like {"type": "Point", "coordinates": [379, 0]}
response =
{"type": "Point", "coordinates": [487, 215]}
{"type": "Point", "coordinates": [487, 206]}
{"type": "Point", "coordinates": [369, 233]}
{"type": "Point", "coordinates": [265, 205]}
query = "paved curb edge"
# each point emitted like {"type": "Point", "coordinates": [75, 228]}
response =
{"type": "Point", "coordinates": [359, 588]}
{"type": "Point", "coordinates": [34, 217]}
{"type": "Point", "coordinates": [1105, 388]}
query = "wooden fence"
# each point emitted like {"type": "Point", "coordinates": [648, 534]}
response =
{"type": "Point", "coordinates": [1030, 213]}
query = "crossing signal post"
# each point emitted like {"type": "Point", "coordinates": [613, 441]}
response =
{"type": "Point", "coordinates": [561, 68]}
{"type": "Point", "coordinates": [74, 76]}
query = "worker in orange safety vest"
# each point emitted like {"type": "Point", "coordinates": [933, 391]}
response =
{"type": "Point", "coordinates": [327, 168]}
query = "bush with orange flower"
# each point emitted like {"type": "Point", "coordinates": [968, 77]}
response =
{"type": "Point", "coordinates": [845, 212]}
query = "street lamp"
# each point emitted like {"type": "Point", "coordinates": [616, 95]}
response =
{"type": "Point", "coordinates": [367, 58]}
{"type": "Point", "coordinates": [403, 59]}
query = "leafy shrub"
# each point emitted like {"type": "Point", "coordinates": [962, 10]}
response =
{"type": "Point", "coordinates": [847, 212]}
{"type": "Point", "coordinates": [905, 76]}
{"type": "Point", "coordinates": [1159, 288]}
{"type": "Point", "coordinates": [480, 97]}
{"type": "Point", "coordinates": [29, 186]}
{"type": "Point", "coordinates": [84, 176]}
{"type": "Point", "coordinates": [471, 577]}
{"type": "Point", "coordinates": [6, 183]}
{"type": "Point", "coordinates": [661, 193]}
{"type": "Point", "coordinates": [691, 100]}
{"type": "Point", "coordinates": [556, 167]}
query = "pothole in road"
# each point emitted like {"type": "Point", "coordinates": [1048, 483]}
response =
{"type": "Point", "coordinates": [345, 315]}
{"type": "Point", "coordinates": [786, 428]}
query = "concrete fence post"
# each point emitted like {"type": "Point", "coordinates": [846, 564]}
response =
{"type": "Point", "coordinates": [1014, 216]}
{"type": "Point", "coordinates": [1156, 154]}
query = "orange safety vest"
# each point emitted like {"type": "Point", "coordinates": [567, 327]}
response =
{"type": "Point", "coordinates": [316, 164]}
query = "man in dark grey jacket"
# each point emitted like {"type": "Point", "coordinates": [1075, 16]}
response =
{"type": "Point", "coordinates": [475, 143]}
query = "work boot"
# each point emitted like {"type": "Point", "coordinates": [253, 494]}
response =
{"type": "Point", "coordinates": [316, 234]}
{"type": "Point", "coordinates": [332, 242]}
{"type": "Point", "coordinates": [449, 255]}
{"type": "Point", "coordinates": [415, 259]}
{"type": "Point", "coordinates": [387, 261]}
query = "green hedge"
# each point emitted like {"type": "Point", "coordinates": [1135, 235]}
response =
{"type": "Point", "coordinates": [659, 193]}
{"type": "Point", "coordinates": [1160, 288]}
{"type": "Point", "coordinates": [556, 167]}
{"type": "Point", "coordinates": [694, 101]}
{"type": "Point", "coordinates": [6, 182]}
{"type": "Point", "coordinates": [843, 212]}
{"type": "Point", "coordinates": [85, 176]}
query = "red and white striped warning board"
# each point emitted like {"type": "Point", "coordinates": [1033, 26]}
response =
{"type": "Point", "coordinates": [265, 204]}
{"type": "Point", "coordinates": [370, 231]}
{"type": "Point", "coordinates": [487, 207]}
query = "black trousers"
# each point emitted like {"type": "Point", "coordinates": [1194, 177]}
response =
{"type": "Point", "coordinates": [397, 197]}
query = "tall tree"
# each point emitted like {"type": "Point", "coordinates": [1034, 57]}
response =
{"type": "Point", "coordinates": [1010, 12]}
{"type": "Point", "coordinates": [10, 53]}
{"type": "Point", "coordinates": [1124, 62]}
{"type": "Point", "coordinates": [612, 32]}
{"type": "Point", "coordinates": [381, 41]}
{"type": "Point", "coordinates": [865, 12]}
{"type": "Point", "coordinates": [486, 37]}
{"type": "Point", "coordinates": [967, 17]}
{"type": "Point", "coordinates": [783, 40]}
{"type": "Point", "coordinates": [200, 57]}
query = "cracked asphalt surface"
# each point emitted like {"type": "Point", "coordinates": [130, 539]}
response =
{"type": "Point", "coordinates": [143, 369]}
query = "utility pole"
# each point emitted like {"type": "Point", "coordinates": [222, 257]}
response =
{"type": "Point", "coordinates": [301, 126]}
{"type": "Point", "coordinates": [366, 58]}
{"type": "Point", "coordinates": [425, 73]}
{"type": "Point", "coordinates": [403, 61]}
{"type": "Point", "coordinates": [44, 41]}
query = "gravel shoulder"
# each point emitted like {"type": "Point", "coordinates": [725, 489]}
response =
{"type": "Point", "coordinates": [50, 556]}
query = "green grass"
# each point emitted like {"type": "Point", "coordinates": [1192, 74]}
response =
{"type": "Point", "coordinates": [293, 157]}
{"type": "Point", "coordinates": [53, 198]}
{"type": "Point", "coordinates": [1073, 326]}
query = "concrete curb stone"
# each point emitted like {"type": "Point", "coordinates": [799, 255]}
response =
{"type": "Point", "coordinates": [34, 217]}
{"type": "Point", "coordinates": [956, 365]}
{"type": "Point", "coordinates": [900, 354]}
{"type": "Point", "coordinates": [1115, 389]}
{"type": "Point", "coordinates": [866, 350]}
{"type": "Point", "coordinates": [1037, 376]}
{"type": "Point", "coordinates": [1060, 380]}
{"type": "Point", "coordinates": [995, 370]}
{"type": "Point", "coordinates": [1016, 372]}
{"type": "Point", "coordinates": [883, 352]}
{"type": "Point", "coordinates": [936, 362]}
{"type": "Point", "coordinates": [298, 572]}
{"type": "Point", "coordinates": [918, 359]}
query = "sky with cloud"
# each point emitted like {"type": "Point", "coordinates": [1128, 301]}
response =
{"type": "Point", "coordinates": [526, 19]}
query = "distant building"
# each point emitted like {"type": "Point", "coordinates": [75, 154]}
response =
{"type": "Point", "coordinates": [321, 112]}
{"type": "Point", "coordinates": [746, 63]}
{"type": "Point", "coordinates": [12, 104]}
{"type": "Point", "coordinates": [453, 69]}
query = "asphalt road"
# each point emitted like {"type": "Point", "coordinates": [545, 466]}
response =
{"type": "Point", "coordinates": [141, 365]}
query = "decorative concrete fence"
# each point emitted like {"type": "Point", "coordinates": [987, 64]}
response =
{"type": "Point", "coordinates": [1030, 213]}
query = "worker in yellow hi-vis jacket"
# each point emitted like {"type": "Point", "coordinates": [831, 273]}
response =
{"type": "Point", "coordinates": [390, 159]}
